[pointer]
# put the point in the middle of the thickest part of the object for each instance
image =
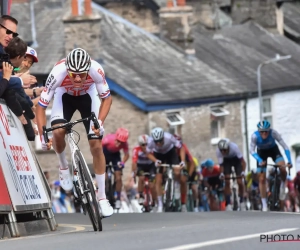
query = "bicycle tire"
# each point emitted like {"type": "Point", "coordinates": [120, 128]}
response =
{"type": "Point", "coordinates": [235, 202]}
{"type": "Point", "coordinates": [169, 195]}
{"type": "Point", "coordinates": [92, 206]}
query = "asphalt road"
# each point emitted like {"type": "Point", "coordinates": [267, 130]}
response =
{"type": "Point", "coordinates": [212, 230]}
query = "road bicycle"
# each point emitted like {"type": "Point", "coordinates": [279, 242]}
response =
{"type": "Point", "coordinates": [234, 189]}
{"type": "Point", "coordinates": [148, 201]}
{"type": "Point", "coordinates": [169, 194]}
{"type": "Point", "coordinates": [273, 197]}
{"type": "Point", "coordinates": [83, 185]}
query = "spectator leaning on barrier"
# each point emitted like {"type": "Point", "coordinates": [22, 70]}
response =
{"type": "Point", "coordinates": [15, 97]}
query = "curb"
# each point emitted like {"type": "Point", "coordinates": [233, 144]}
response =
{"type": "Point", "coordinates": [26, 228]}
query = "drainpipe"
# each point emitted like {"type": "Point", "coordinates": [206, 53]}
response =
{"type": "Point", "coordinates": [246, 133]}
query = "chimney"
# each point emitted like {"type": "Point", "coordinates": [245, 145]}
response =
{"type": "Point", "coordinates": [82, 31]}
{"type": "Point", "coordinates": [261, 11]}
{"type": "Point", "coordinates": [175, 21]}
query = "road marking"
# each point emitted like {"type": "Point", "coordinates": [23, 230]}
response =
{"type": "Point", "coordinates": [77, 228]}
{"type": "Point", "coordinates": [226, 240]}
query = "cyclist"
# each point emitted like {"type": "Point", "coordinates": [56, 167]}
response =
{"type": "Point", "coordinates": [229, 155]}
{"type": "Point", "coordinates": [190, 172]}
{"type": "Point", "coordinates": [140, 164]}
{"type": "Point", "coordinates": [264, 139]}
{"type": "Point", "coordinates": [112, 144]}
{"type": "Point", "coordinates": [163, 145]}
{"type": "Point", "coordinates": [77, 82]}
{"type": "Point", "coordinates": [211, 178]}
{"type": "Point", "coordinates": [252, 187]}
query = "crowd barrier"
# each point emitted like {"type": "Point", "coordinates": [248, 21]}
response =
{"type": "Point", "coordinates": [23, 186]}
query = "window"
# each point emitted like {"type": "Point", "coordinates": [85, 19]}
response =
{"type": "Point", "coordinates": [267, 110]}
{"type": "Point", "coordinates": [217, 123]}
{"type": "Point", "coordinates": [174, 119]}
{"type": "Point", "coordinates": [38, 144]}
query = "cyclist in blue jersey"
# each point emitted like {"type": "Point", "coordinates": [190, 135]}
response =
{"type": "Point", "coordinates": [264, 139]}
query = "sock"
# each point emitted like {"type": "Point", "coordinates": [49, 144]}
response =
{"type": "Point", "coordinates": [282, 185]}
{"type": "Point", "coordinates": [228, 200]}
{"type": "Point", "coordinates": [118, 195]}
{"type": "Point", "coordinates": [264, 202]}
{"type": "Point", "coordinates": [159, 199]}
{"type": "Point", "coordinates": [241, 199]}
{"type": "Point", "coordinates": [63, 163]}
{"type": "Point", "coordinates": [100, 179]}
{"type": "Point", "coordinates": [183, 198]}
{"type": "Point", "coordinates": [195, 203]}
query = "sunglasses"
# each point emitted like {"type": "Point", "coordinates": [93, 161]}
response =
{"type": "Point", "coordinates": [263, 132]}
{"type": "Point", "coordinates": [9, 32]}
{"type": "Point", "coordinates": [224, 150]}
{"type": "Point", "coordinates": [74, 74]}
{"type": "Point", "coordinates": [145, 144]}
{"type": "Point", "coordinates": [160, 141]}
{"type": "Point", "coordinates": [119, 141]}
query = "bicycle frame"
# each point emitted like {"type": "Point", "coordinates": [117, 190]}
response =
{"type": "Point", "coordinates": [170, 178]}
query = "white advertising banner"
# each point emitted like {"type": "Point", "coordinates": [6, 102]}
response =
{"type": "Point", "coordinates": [20, 171]}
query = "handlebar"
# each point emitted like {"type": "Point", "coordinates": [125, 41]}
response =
{"type": "Point", "coordinates": [278, 166]}
{"type": "Point", "coordinates": [170, 165]}
{"type": "Point", "coordinates": [69, 125]}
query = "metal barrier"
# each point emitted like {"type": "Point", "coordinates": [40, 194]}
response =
{"type": "Point", "coordinates": [24, 188]}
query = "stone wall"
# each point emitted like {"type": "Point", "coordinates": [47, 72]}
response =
{"type": "Point", "coordinates": [196, 131]}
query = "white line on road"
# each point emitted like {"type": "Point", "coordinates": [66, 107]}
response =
{"type": "Point", "coordinates": [226, 240]}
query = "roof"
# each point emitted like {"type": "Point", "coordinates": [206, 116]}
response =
{"type": "Point", "coordinates": [48, 21]}
{"type": "Point", "coordinates": [292, 18]}
{"type": "Point", "coordinates": [237, 51]}
{"type": "Point", "coordinates": [138, 65]}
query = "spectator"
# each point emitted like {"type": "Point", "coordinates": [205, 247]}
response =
{"type": "Point", "coordinates": [15, 97]}
{"type": "Point", "coordinates": [8, 28]}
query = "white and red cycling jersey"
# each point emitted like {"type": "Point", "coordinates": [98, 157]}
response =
{"type": "Point", "coordinates": [169, 142]}
{"type": "Point", "coordinates": [59, 79]}
{"type": "Point", "coordinates": [139, 157]}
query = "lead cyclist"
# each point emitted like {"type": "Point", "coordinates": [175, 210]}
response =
{"type": "Point", "coordinates": [76, 83]}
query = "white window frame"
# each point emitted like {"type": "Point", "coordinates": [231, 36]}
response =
{"type": "Point", "coordinates": [268, 114]}
{"type": "Point", "coordinates": [178, 116]}
{"type": "Point", "coordinates": [38, 144]}
{"type": "Point", "coordinates": [221, 132]}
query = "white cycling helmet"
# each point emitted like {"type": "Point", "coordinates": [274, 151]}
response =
{"type": "Point", "coordinates": [143, 139]}
{"type": "Point", "coordinates": [157, 134]}
{"type": "Point", "coordinates": [223, 144]}
{"type": "Point", "coordinates": [78, 60]}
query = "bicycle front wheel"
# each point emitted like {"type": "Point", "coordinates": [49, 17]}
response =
{"type": "Point", "coordinates": [92, 204]}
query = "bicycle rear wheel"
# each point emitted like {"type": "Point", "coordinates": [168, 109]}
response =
{"type": "Point", "coordinates": [92, 205]}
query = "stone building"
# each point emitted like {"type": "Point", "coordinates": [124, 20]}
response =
{"type": "Point", "coordinates": [195, 87]}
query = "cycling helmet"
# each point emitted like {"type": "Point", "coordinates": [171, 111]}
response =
{"type": "Point", "coordinates": [209, 163]}
{"type": "Point", "coordinates": [78, 60]}
{"type": "Point", "coordinates": [157, 134]}
{"type": "Point", "coordinates": [263, 125]}
{"type": "Point", "coordinates": [223, 144]}
{"type": "Point", "coordinates": [122, 134]}
{"type": "Point", "coordinates": [143, 139]}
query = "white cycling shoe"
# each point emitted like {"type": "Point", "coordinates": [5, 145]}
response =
{"type": "Point", "coordinates": [106, 209]}
{"type": "Point", "coordinates": [65, 179]}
